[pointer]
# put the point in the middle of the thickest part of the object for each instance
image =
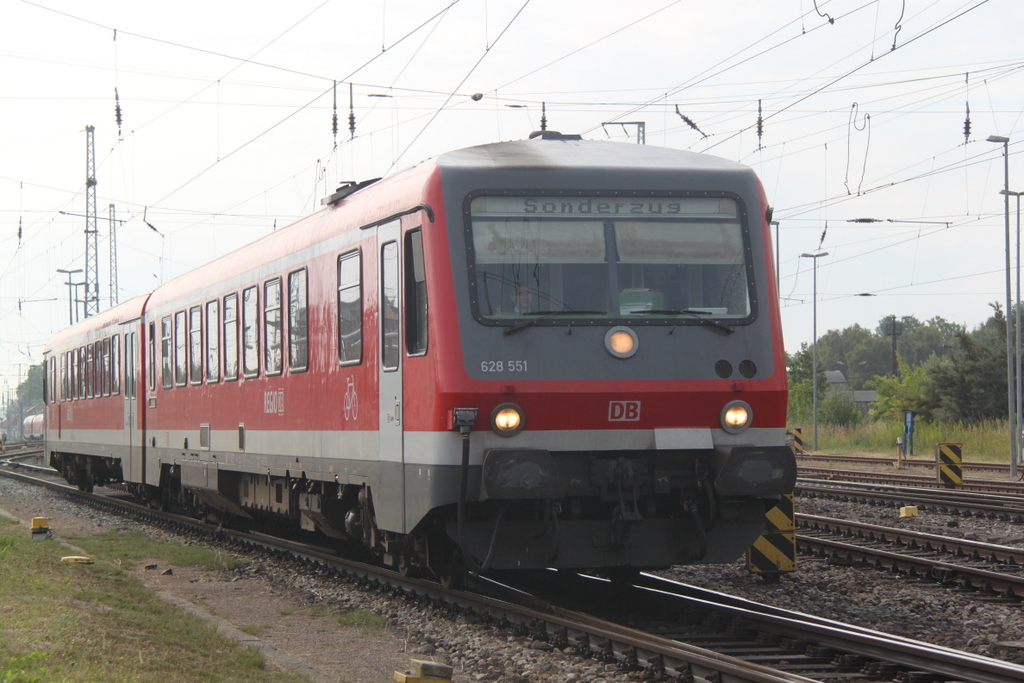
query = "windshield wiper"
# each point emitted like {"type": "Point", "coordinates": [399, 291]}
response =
{"type": "Point", "coordinates": [699, 314]}
{"type": "Point", "coordinates": [536, 316]}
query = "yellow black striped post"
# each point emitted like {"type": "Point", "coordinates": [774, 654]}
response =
{"type": "Point", "coordinates": [774, 552]}
{"type": "Point", "coordinates": [798, 440]}
{"type": "Point", "coordinates": [949, 464]}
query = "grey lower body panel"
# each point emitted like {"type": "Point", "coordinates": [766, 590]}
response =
{"type": "Point", "coordinates": [585, 544]}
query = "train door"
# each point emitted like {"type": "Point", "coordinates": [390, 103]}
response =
{"type": "Point", "coordinates": [134, 469]}
{"type": "Point", "coordinates": [390, 516]}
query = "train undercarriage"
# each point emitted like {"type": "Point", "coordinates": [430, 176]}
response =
{"type": "Point", "coordinates": [612, 512]}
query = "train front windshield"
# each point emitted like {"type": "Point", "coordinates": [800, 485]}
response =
{"type": "Point", "coordinates": [568, 260]}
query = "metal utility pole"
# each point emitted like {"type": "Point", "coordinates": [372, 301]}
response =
{"type": "Point", "coordinates": [1010, 360]}
{"type": "Point", "coordinates": [113, 258]}
{"type": "Point", "coordinates": [814, 347]}
{"type": "Point", "coordinates": [92, 280]}
{"type": "Point", "coordinates": [894, 331]}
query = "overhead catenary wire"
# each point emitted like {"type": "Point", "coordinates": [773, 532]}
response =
{"type": "Point", "coordinates": [775, 154]}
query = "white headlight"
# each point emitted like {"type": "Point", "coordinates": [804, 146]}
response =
{"type": "Point", "coordinates": [507, 419]}
{"type": "Point", "coordinates": [621, 342]}
{"type": "Point", "coordinates": [736, 416]}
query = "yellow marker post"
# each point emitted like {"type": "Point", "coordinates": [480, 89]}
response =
{"type": "Point", "coordinates": [774, 551]}
{"type": "Point", "coordinates": [949, 464]}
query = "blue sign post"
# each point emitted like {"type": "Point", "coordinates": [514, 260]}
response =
{"type": "Point", "coordinates": [908, 432]}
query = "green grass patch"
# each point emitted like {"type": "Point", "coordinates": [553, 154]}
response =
{"type": "Point", "coordinates": [983, 442]}
{"type": "Point", "coordinates": [74, 622]}
{"type": "Point", "coordinates": [361, 619]}
{"type": "Point", "coordinates": [130, 547]}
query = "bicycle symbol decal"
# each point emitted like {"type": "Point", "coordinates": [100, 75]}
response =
{"type": "Point", "coordinates": [351, 402]}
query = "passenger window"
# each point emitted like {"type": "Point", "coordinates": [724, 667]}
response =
{"type": "Point", "coordinates": [108, 375]}
{"type": "Point", "coordinates": [89, 371]}
{"type": "Point", "coordinates": [130, 340]}
{"type": "Point", "coordinates": [298, 339]}
{"type": "Point", "coordinates": [272, 326]}
{"type": "Point", "coordinates": [212, 341]}
{"type": "Point", "coordinates": [165, 351]}
{"type": "Point", "coordinates": [180, 350]}
{"type": "Point", "coordinates": [250, 333]}
{"type": "Point", "coordinates": [115, 365]}
{"type": "Point", "coordinates": [415, 295]}
{"type": "Point", "coordinates": [389, 311]}
{"type": "Point", "coordinates": [195, 356]}
{"type": "Point", "coordinates": [231, 337]}
{"type": "Point", "coordinates": [350, 308]}
{"type": "Point", "coordinates": [152, 356]}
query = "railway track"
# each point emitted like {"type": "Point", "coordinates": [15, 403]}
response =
{"type": "Point", "coordinates": [1007, 507]}
{"type": "Point", "coordinates": [995, 571]}
{"type": "Point", "coordinates": [911, 480]}
{"type": "Point", "coordinates": [995, 467]}
{"type": "Point", "coordinates": [664, 629]}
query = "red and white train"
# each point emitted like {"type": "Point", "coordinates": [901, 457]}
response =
{"type": "Point", "coordinates": [32, 427]}
{"type": "Point", "coordinates": [543, 353]}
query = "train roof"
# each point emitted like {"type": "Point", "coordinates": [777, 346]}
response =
{"type": "Point", "coordinates": [550, 150]}
{"type": "Point", "coordinates": [99, 324]}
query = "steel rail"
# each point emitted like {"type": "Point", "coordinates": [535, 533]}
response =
{"type": "Point", "coordinates": [914, 540]}
{"type": "Point", "coordinates": [870, 460]}
{"type": "Point", "coordinates": [850, 638]}
{"type": "Point", "coordinates": [971, 578]}
{"type": "Point", "coordinates": [913, 480]}
{"type": "Point", "coordinates": [952, 502]}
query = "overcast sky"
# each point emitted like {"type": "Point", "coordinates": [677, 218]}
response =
{"type": "Point", "coordinates": [226, 128]}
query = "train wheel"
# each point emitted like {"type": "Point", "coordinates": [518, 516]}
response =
{"type": "Point", "coordinates": [86, 482]}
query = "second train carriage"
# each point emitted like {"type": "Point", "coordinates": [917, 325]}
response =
{"type": "Point", "coordinates": [544, 353]}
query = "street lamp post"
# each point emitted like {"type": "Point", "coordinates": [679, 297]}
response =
{"type": "Point", "coordinates": [814, 346]}
{"type": "Point", "coordinates": [1010, 364]}
{"type": "Point", "coordinates": [71, 310]}
{"type": "Point", "coordinates": [1020, 404]}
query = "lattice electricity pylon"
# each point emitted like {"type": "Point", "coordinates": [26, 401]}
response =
{"type": "Point", "coordinates": [92, 279]}
{"type": "Point", "coordinates": [113, 258]}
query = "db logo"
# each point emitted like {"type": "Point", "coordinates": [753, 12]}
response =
{"type": "Point", "coordinates": [624, 411]}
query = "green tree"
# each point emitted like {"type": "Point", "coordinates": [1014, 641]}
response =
{"type": "Point", "coordinates": [801, 382]}
{"type": "Point", "coordinates": [855, 351]}
{"type": "Point", "coordinates": [839, 409]}
{"type": "Point", "coordinates": [969, 385]}
{"type": "Point", "coordinates": [30, 391]}
{"type": "Point", "coordinates": [905, 391]}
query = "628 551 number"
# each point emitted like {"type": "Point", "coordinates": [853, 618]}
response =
{"type": "Point", "coordinates": [503, 366]}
